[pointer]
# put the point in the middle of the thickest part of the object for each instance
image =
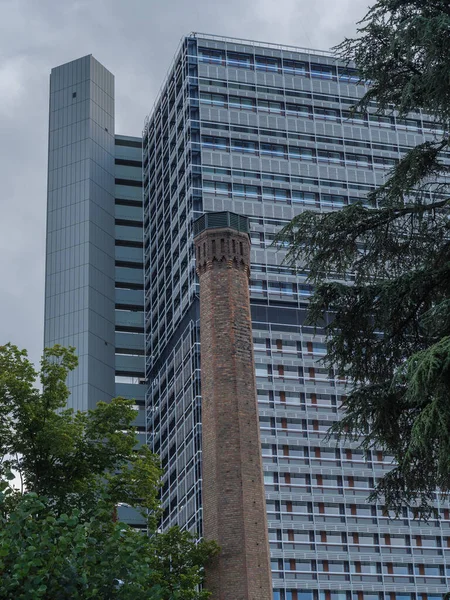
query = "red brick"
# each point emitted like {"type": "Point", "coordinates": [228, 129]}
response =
{"type": "Point", "coordinates": [234, 511]}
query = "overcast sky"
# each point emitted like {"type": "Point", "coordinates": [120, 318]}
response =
{"type": "Point", "coordinates": [136, 40]}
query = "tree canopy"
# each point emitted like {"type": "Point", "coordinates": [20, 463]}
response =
{"type": "Point", "coordinates": [59, 536]}
{"type": "Point", "coordinates": [381, 268]}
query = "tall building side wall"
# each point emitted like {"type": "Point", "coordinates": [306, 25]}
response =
{"type": "Point", "coordinates": [79, 296]}
{"type": "Point", "coordinates": [129, 276]}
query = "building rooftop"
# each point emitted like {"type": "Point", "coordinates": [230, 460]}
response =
{"type": "Point", "coordinates": [232, 40]}
{"type": "Point", "coordinates": [255, 43]}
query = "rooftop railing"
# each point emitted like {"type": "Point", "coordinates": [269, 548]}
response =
{"type": "Point", "coordinates": [255, 43]}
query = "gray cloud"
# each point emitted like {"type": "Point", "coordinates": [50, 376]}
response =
{"type": "Point", "coordinates": [136, 40]}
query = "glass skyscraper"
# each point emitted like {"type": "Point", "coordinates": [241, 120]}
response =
{"type": "Point", "coordinates": [79, 291]}
{"type": "Point", "coordinates": [264, 131]}
{"type": "Point", "coordinates": [94, 269]}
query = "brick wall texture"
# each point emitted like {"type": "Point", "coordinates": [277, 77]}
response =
{"type": "Point", "coordinates": [234, 512]}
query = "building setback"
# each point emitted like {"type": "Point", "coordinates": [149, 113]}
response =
{"type": "Point", "coordinates": [263, 131]}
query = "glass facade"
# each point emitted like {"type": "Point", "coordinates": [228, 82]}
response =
{"type": "Point", "coordinates": [94, 272]}
{"type": "Point", "coordinates": [265, 131]}
{"type": "Point", "coordinates": [79, 291]}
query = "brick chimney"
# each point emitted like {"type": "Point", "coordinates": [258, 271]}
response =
{"type": "Point", "coordinates": [234, 509]}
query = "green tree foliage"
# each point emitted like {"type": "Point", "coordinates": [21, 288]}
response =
{"type": "Point", "coordinates": [381, 272]}
{"type": "Point", "coordinates": [69, 457]}
{"type": "Point", "coordinates": [67, 556]}
{"type": "Point", "coordinates": [59, 538]}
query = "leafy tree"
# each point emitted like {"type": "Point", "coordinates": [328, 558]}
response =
{"type": "Point", "coordinates": [59, 537]}
{"type": "Point", "coordinates": [69, 457]}
{"type": "Point", "coordinates": [381, 270]}
{"type": "Point", "coordinates": [51, 556]}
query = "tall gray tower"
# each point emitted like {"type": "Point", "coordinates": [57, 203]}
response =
{"type": "Point", "coordinates": [79, 290]}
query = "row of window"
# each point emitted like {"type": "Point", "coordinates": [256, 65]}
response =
{"type": "Point", "coordinates": [354, 455]}
{"type": "Point", "coordinates": [333, 183]}
{"type": "Point", "coordinates": [295, 372]}
{"type": "Point", "coordinates": [287, 347]}
{"type": "Point", "coordinates": [305, 399]}
{"type": "Point", "coordinates": [210, 142]}
{"type": "Point", "coordinates": [304, 110]}
{"type": "Point", "coordinates": [265, 89]}
{"type": "Point", "coordinates": [274, 64]}
{"type": "Point", "coordinates": [283, 289]}
{"type": "Point", "coordinates": [297, 481]}
{"type": "Point", "coordinates": [242, 190]}
{"type": "Point", "coordinates": [355, 538]}
{"type": "Point", "coordinates": [315, 139]}
{"type": "Point", "coordinates": [372, 568]}
{"type": "Point", "coordinates": [298, 594]}
{"type": "Point", "coordinates": [333, 509]}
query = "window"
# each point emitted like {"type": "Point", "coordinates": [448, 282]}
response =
{"type": "Point", "coordinates": [245, 190]}
{"type": "Point", "coordinates": [354, 117]}
{"type": "Point", "coordinates": [216, 171]}
{"type": "Point", "coordinates": [210, 55]}
{"type": "Point", "coordinates": [381, 120]}
{"type": "Point", "coordinates": [304, 197]}
{"type": "Point", "coordinates": [384, 161]}
{"type": "Point", "coordinates": [329, 155]}
{"type": "Point", "coordinates": [216, 82]}
{"type": "Point", "coordinates": [348, 74]}
{"type": "Point", "coordinates": [261, 370]}
{"type": "Point", "coordinates": [327, 113]}
{"type": "Point", "coordinates": [323, 71]}
{"type": "Point", "coordinates": [410, 123]}
{"type": "Point", "coordinates": [333, 200]}
{"type": "Point", "coordinates": [216, 99]}
{"type": "Point", "coordinates": [239, 59]}
{"type": "Point", "coordinates": [358, 159]}
{"type": "Point", "coordinates": [279, 195]}
{"type": "Point", "coordinates": [273, 149]}
{"type": "Point", "coordinates": [271, 106]}
{"type": "Point", "coordinates": [297, 109]}
{"type": "Point", "coordinates": [281, 287]}
{"type": "Point", "coordinates": [217, 143]}
{"type": "Point", "coordinates": [242, 103]}
{"type": "Point", "coordinates": [267, 63]}
{"type": "Point", "coordinates": [74, 94]}
{"type": "Point", "coordinates": [294, 67]}
{"type": "Point", "coordinates": [217, 187]}
{"type": "Point", "coordinates": [244, 146]}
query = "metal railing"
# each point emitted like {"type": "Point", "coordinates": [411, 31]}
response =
{"type": "Point", "coordinates": [255, 43]}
